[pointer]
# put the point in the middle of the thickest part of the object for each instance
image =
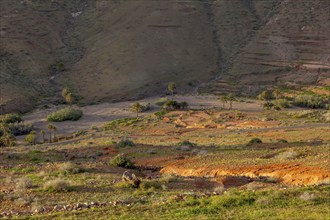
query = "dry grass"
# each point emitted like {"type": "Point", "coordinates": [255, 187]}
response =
{"type": "Point", "coordinates": [24, 183]}
{"type": "Point", "coordinates": [57, 185]}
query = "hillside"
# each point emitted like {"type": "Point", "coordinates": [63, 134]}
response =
{"type": "Point", "coordinates": [121, 50]}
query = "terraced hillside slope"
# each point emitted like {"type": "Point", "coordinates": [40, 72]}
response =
{"type": "Point", "coordinates": [115, 50]}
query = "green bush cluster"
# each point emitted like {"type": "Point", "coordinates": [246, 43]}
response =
{"type": "Point", "coordinates": [160, 114]}
{"type": "Point", "coordinates": [162, 101]}
{"type": "Point", "coordinates": [125, 143]}
{"type": "Point", "coordinates": [255, 141]}
{"type": "Point", "coordinates": [150, 184]}
{"type": "Point", "coordinates": [20, 128]}
{"type": "Point", "coordinates": [282, 103]}
{"type": "Point", "coordinates": [174, 105]}
{"type": "Point", "coordinates": [310, 101]}
{"type": "Point", "coordinates": [66, 114]}
{"type": "Point", "coordinates": [121, 161]}
{"type": "Point", "coordinates": [10, 118]}
{"type": "Point", "coordinates": [186, 143]}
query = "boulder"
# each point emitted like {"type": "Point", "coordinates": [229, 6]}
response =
{"type": "Point", "coordinates": [131, 178]}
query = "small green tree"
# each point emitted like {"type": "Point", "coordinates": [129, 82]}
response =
{"type": "Point", "coordinates": [137, 107]}
{"type": "Point", "coordinates": [31, 138]}
{"type": "Point", "coordinates": [65, 92]}
{"type": "Point", "coordinates": [171, 87]}
{"type": "Point", "coordinates": [69, 98]}
{"type": "Point", "coordinates": [42, 132]}
{"type": "Point", "coordinates": [231, 98]}
{"type": "Point", "coordinates": [224, 100]}
{"type": "Point", "coordinates": [266, 95]}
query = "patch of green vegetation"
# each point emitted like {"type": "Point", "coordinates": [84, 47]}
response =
{"type": "Point", "coordinates": [186, 143]}
{"type": "Point", "coordinates": [255, 141]}
{"type": "Point", "coordinates": [125, 143]}
{"type": "Point", "coordinates": [121, 122]}
{"type": "Point", "coordinates": [121, 161]}
{"type": "Point", "coordinates": [66, 114]}
{"type": "Point", "coordinates": [281, 103]}
{"type": "Point", "coordinates": [10, 118]}
{"type": "Point", "coordinates": [151, 184]}
{"type": "Point", "coordinates": [160, 114]}
{"type": "Point", "coordinates": [162, 101]}
{"type": "Point", "coordinates": [310, 101]}
{"type": "Point", "coordinates": [292, 203]}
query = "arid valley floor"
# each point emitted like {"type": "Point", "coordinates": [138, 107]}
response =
{"type": "Point", "coordinates": [198, 163]}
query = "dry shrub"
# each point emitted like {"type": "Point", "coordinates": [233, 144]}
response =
{"type": "Point", "coordinates": [70, 168]}
{"type": "Point", "coordinates": [24, 183]}
{"type": "Point", "coordinates": [287, 155]}
{"type": "Point", "coordinates": [219, 190]}
{"type": "Point", "coordinates": [57, 185]}
{"type": "Point", "coordinates": [306, 196]}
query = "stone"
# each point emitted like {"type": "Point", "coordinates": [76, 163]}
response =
{"type": "Point", "coordinates": [131, 178]}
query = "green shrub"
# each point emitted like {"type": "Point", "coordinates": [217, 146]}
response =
{"type": "Point", "coordinates": [31, 138]}
{"type": "Point", "coordinates": [10, 118]}
{"type": "Point", "coordinates": [125, 143]}
{"type": "Point", "coordinates": [162, 101]}
{"type": "Point", "coordinates": [255, 141]}
{"type": "Point", "coordinates": [123, 185]}
{"type": "Point", "coordinates": [20, 128]}
{"type": "Point", "coordinates": [121, 161]}
{"type": "Point", "coordinates": [282, 141]}
{"type": "Point", "coordinates": [121, 122]}
{"type": "Point", "coordinates": [186, 143]}
{"type": "Point", "coordinates": [310, 101]}
{"type": "Point", "coordinates": [150, 184]}
{"type": "Point", "coordinates": [174, 105]}
{"type": "Point", "coordinates": [66, 114]}
{"type": "Point", "coordinates": [282, 103]}
{"type": "Point", "coordinates": [160, 114]}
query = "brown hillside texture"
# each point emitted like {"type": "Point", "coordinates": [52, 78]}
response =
{"type": "Point", "coordinates": [120, 50]}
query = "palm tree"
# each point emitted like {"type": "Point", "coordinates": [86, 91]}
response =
{"type": "Point", "coordinates": [54, 134]}
{"type": "Point", "coordinates": [42, 132]}
{"type": "Point", "coordinates": [171, 87]}
{"type": "Point", "coordinates": [50, 128]}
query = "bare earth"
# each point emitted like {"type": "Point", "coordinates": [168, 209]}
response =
{"type": "Point", "coordinates": [97, 115]}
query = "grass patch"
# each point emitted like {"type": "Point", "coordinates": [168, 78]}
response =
{"type": "Point", "coordinates": [121, 122]}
